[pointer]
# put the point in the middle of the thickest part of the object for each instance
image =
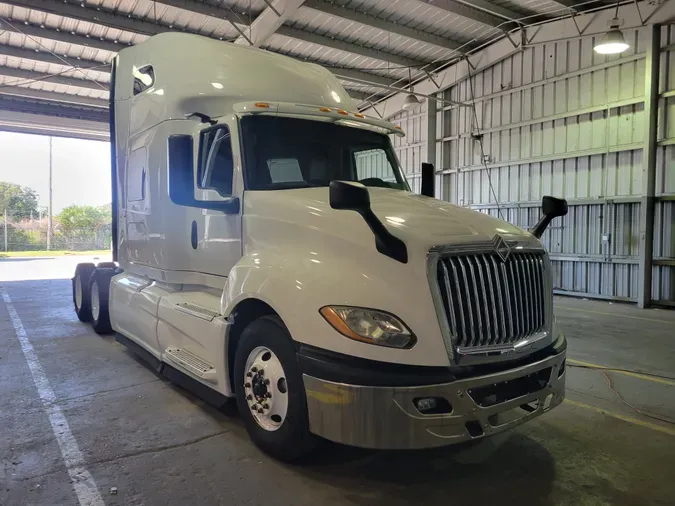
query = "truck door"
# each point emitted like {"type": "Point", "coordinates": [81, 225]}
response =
{"type": "Point", "coordinates": [137, 206]}
{"type": "Point", "coordinates": [215, 235]}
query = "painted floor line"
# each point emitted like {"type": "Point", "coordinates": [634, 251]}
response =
{"type": "Point", "coordinates": [558, 306]}
{"type": "Point", "coordinates": [638, 375]}
{"type": "Point", "coordinates": [82, 480]}
{"type": "Point", "coordinates": [619, 416]}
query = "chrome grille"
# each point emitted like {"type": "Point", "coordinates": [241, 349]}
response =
{"type": "Point", "coordinates": [491, 302]}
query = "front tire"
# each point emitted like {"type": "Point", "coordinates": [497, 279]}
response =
{"type": "Point", "coordinates": [81, 299]}
{"type": "Point", "coordinates": [99, 288]}
{"type": "Point", "coordinates": [270, 391]}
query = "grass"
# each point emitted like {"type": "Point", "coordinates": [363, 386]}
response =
{"type": "Point", "coordinates": [44, 253]}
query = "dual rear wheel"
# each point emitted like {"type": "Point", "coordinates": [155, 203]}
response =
{"type": "Point", "coordinates": [91, 285]}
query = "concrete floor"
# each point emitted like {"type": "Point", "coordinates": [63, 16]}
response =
{"type": "Point", "coordinates": [159, 445]}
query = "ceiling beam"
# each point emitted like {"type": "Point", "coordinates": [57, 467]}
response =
{"type": "Point", "coordinates": [269, 21]}
{"type": "Point", "coordinates": [205, 9]}
{"type": "Point", "coordinates": [360, 95]}
{"type": "Point", "coordinates": [47, 108]}
{"type": "Point", "coordinates": [81, 40]}
{"type": "Point", "coordinates": [44, 124]}
{"type": "Point", "coordinates": [492, 8]}
{"type": "Point", "coordinates": [107, 45]}
{"type": "Point", "coordinates": [570, 4]}
{"type": "Point", "coordinates": [61, 36]}
{"type": "Point", "coordinates": [322, 40]}
{"type": "Point", "coordinates": [30, 75]}
{"type": "Point", "coordinates": [344, 12]}
{"type": "Point", "coordinates": [360, 77]}
{"type": "Point", "coordinates": [82, 12]}
{"type": "Point", "coordinates": [469, 12]}
{"type": "Point", "coordinates": [45, 57]}
{"type": "Point", "coordinates": [348, 47]}
{"type": "Point", "coordinates": [53, 96]}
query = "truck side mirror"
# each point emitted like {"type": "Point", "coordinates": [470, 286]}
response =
{"type": "Point", "coordinates": [349, 195]}
{"type": "Point", "coordinates": [352, 196]}
{"type": "Point", "coordinates": [181, 177]}
{"type": "Point", "coordinates": [428, 180]}
{"type": "Point", "coordinates": [552, 208]}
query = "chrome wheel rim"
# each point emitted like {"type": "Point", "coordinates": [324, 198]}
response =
{"type": "Point", "coordinates": [95, 301]}
{"type": "Point", "coordinates": [266, 388]}
{"type": "Point", "coordinates": [78, 291]}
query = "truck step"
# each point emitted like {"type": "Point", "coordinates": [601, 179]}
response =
{"type": "Point", "coordinates": [198, 311]}
{"type": "Point", "coordinates": [192, 364]}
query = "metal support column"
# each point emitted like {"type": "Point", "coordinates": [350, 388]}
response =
{"type": "Point", "coordinates": [432, 107]}
{"type": "Point", "coordinates": [50, 230]}
{"type": "Point", "coordinates": [649, 168]}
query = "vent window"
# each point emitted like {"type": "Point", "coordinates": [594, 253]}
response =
{"type": "Point", "coordinates": [144, 78]}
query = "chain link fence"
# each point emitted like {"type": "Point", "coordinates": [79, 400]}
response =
{"type": "Point", "coordinates": [19, 232]}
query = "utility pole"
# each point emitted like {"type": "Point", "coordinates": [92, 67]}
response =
{"type": "Point", "coordinates": [49, 211]}
{"type": "Point", "coordinates": [5, 230]}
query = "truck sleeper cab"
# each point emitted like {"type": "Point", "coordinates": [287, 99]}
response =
{"type": "Point", "coordinates": [268, 248]}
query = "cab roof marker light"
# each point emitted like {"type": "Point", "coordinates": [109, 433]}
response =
{"type": "Point", "coordinates": [343, 112]}
{"type": "Point", "coordinates": [325, 109]}
{"type": "Point", "coordinates": [262, 105]}
{"type": "Point", "coordinates": [359, 115]}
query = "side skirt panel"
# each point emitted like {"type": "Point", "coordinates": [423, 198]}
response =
{"type": "Point", "coordinates": [208, 395]}
{"type": "Point", "coordinates": [144, 354]}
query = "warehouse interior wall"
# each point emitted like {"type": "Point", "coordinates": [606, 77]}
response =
{"type": "Point", "coordinates": [556, 118]}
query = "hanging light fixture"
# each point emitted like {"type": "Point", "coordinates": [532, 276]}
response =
{"type": "Point", "coordinates": [613, 42]}
{"type": "Point", "coordinates": [411, 101]}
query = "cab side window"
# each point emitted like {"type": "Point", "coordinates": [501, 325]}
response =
{"type": "Point", "coordinates": [216, 165]}
{"type": "Point", "coordinates": [144, 78]}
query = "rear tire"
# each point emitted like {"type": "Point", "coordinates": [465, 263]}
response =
{"type": "Point", "coordinates": [282, 429]}
{"type": "Point", "coordinates": [107, 265]}
{"type": "Point", "coordinates": [99, 288]}
{"type": "Point", "coordinates": [81, 299]}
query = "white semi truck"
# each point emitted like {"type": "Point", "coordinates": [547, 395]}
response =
{"type": "Point", "coordinates": [268, 248]}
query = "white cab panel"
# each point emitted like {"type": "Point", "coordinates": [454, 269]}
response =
{"type": "Point", "coordinates": [193, 336]}
{"type": "Point", "coordinates": [133, 309]}
{"type": "Point", "coordinates": [300, 255]}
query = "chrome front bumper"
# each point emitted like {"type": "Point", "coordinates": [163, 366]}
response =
{"type": "Point", "coordinates": [387, 418]}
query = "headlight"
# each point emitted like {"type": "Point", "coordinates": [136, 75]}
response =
{"type": "Point", "coordinates": [369, 326]}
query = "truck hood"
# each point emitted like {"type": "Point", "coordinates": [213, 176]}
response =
{"type": "Point", "coordinates": [411, 217]}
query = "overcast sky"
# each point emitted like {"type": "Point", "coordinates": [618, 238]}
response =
{"type": "Point", "coordinates": [81, 169]}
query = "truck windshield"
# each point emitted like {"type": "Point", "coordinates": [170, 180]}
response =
{"type": "Point", "coordinates": [283, 153]}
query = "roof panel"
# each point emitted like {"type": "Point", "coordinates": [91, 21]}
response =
{"type": "Point", "coordinates": [333, 57]}
{"type": "Point", "coordinates": [422, 16]}
{"type": "Point", "coordinates": [61, 48]}
{"type": "Point", "coordinates": [415, 14]}
{"type": "Point", "coordinates": [530, 8]}
{"type": "Point", "coordinates": [349, 31]}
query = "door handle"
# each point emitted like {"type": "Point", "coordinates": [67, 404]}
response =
{"type": "Point", "coordinates": [194, 236]}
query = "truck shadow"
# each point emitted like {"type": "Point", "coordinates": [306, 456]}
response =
{"type": "Point", "coordinates": [508, 469]}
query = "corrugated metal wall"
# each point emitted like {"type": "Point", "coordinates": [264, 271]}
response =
{"type": "Point", "coordinates": [412, 149]}
{"type": "Point", "coordinates": [559, 119]}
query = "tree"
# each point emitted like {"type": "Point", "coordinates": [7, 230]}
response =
{"type": "Point", "coordinates": [81, 219]}
{"type": "Point", "coordinates": [21, 202]}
